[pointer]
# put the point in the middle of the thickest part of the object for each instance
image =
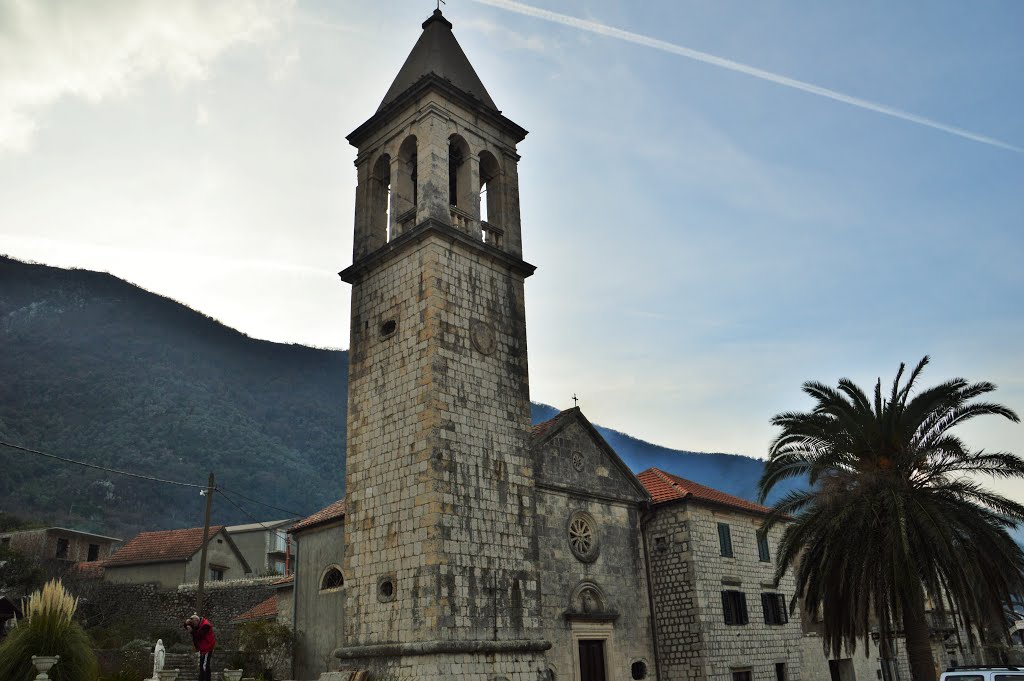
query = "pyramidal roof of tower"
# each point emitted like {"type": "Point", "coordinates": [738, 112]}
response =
{"type": "Point", "coordinates": [438, 52]}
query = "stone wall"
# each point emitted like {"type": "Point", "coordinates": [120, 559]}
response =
{"type": "Point", "coordinates": [690, 575]}
{"type": "Point", "coordinates": [677, 608]}
{"type": "Point", "coordinates": [600, 595]}
{"type": "Point", "coordinates": [42, 544]}
{"type": "Point", "coordinates": [155, 613]}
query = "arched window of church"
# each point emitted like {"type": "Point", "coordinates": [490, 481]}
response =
{"type": "Point", "coordinates": [332, 579]}
{"type": "Point", "coordinates": [380, 197]}
{"type": "Point", "coordinates": [490, 199]}
{"type": "Point", "coordinates": [404, 191]}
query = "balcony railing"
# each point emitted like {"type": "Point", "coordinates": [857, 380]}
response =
{"type": "Point", "coordinates": [461, 219]}
{"type": "Point", "coordinates": [491, 234]}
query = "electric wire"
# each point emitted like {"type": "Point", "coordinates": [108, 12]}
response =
{"type": "Point", "coordinates": [263, 503]}
{"type": "Point", "coordinates": [251, 517]}
{"type": "Point", "coordinates": [100, 468]}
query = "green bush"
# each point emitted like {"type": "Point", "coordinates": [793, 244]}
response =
{"type": "Point", "coordinates": [48, 629]}
{"type": "Point", "coordinates": [266, 647]}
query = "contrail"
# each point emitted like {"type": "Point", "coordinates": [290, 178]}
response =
{"type": "Point", "coordinates": [611, 32]}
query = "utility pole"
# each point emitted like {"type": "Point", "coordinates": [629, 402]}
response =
{"type": "Point", "coordinates": [206, 538]}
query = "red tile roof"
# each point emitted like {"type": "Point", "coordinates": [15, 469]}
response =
{"type": "Point", "coordinates": [541, 429]}
{"type": "Point", "coordinates": [664, 487]}
{"type": "Point", "coordinates": [335, 511]}
{"type": "Point", "coordinates": [265, 610]}
{"type": "Point", "coordinates": [162, 547]}
{"type": "Point", "coordinates": [283, 580]}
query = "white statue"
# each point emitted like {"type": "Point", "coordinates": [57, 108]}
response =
{"type": "Point", "coordinates": [158, 658]}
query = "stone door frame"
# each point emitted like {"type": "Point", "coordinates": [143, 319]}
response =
{"type": "Point", "coordinates": [595, 631]}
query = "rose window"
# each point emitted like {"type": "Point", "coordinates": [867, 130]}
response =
{"type": "Point", "coordinates": [582, 537]}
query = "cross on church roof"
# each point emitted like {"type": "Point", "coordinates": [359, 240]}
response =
{"type": "Point", "coordinates": [439, 3]}
{"type": "Point", "coordinates": [575, 400]}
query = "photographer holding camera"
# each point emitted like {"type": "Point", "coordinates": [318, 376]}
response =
{"type": "Point", "coordinates": [203, 640]}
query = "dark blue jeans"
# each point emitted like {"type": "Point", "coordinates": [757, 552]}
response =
{"type": "Point", "coordinates": [204, 666]}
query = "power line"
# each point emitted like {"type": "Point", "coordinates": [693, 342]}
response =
{"type": "Point", "coordinates": [263, 503]}
{"type": "Point", "coordinates": [100, 468]}
{"type": "Point", "coordinates": [251, 517]}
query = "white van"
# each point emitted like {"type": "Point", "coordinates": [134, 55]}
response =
{"type": "Point", "coordinates": [983, 674]}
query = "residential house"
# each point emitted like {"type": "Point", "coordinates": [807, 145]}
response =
{"type": "Point", "coordinates": [172, 557]}
{"type": "Point", "coordinates": [720, 614]}
{"type": "Point", "coordinates": [59, 546]}
{"type": "Point", "coordinates": [263, 544]}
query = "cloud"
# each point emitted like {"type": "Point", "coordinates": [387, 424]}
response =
{"type": "Point", "coordinates": [696, 55]}
{"type": "Point", "coordinates": [51, 49]}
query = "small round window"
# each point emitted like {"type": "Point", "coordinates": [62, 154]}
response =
{"type": "Point", "coordinates": [583, 537]}
{"type": "Point", "coordinates": [388, 328]}
{"type": "Point", "coordinates": [638, 670]}
{"type": "Point", "coordinates": [332, 579]}
{"type": "Point", "coordinates": [386, 588]}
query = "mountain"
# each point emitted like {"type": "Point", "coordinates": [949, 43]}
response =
{"type": "Point", "coordinates": [99, 370]}
{"type": "Point", "coordinates": [96, 369]}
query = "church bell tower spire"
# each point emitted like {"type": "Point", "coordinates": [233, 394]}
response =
{"type": "Point", "coordinates": [441, 554]}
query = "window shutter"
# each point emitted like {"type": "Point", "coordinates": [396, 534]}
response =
{"type": "Point", "coordinates": [742, 619]}
{"type": "Point", "coordinates": [783, 610]}
{"type": "Point", "coordinates": [724, 539]}
{"type": "Point", "coordinates": [727, 607]}
{"type": "Point", "coordinates": [766, 606]}
{"type": "Point", "coordinates": [762, 546]}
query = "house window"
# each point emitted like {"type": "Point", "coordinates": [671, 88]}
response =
{"type": "Point", "coordinates": [660, 545]}
{"type": "Point", "coordinates": [332, 579]}
{"type": "Point", "coordinates": [734, 607]}
{"type": "Point", "coordinates": [216, 573]}
{"type": "Point", "coordinates": [94, 552]}
{"type": "Point", "coordinates": [780, 671]}
{"type": "Point", "coordinates": [725, 540]}
{"type": "Point", "coordinates": [62, 548]}
{"type": "Point", "coordinates": [774, 606]}
{"type": "Point", "coordinates": [741, 675]}
{"type": "Point", "coordinates": [762, 547]}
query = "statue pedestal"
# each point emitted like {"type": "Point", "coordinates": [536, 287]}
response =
{"type": "Point", "coordinates": [43, 663]}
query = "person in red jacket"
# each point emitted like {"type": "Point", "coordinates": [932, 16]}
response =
{"type": "Point", "coordinates": [204, 641]}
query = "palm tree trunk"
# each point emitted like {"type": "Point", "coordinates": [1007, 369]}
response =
{"type": "Point", "coordinates": [915, 627]}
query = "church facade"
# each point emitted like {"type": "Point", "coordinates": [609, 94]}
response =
{"type": "Point", "coordinates": [474, 545]}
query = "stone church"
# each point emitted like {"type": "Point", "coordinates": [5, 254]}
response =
{"type": "Point", "coordinates": [472, 545]}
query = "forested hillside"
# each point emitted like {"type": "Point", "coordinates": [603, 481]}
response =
{"type": "Point", "coordinates": [94, 368]}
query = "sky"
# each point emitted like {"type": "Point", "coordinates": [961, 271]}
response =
{"type": "Point", "coordinates": [723, 199]}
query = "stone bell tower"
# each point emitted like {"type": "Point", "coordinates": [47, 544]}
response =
{"type": "Point", "coordinates": [441, 564]}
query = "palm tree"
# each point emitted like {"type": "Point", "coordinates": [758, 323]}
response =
{"type": "Point", "coordinates": [894, 514]}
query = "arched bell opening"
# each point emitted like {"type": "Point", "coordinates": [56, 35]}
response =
{"type": "Point", "coordinates": [380, 199]}
{"type": "Point", "coordinates": [491, 195]}
{"type": "Point", "coordinates": [463, 194]}
{"type": "Point", "coordinates": [404, 190]}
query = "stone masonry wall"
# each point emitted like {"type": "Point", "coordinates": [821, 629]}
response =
{"type": "Point", "coordinates": [617, 573]}
{"type": "Point", "coordinates": [690, 575]}
{"type": "Point", "coordinates": [440, 490]}
{"type": "Point", "coordinates": [756, 646]}
{"type": "Point", "coordinates": [576, 476]}
{"type": "Point", "coordinates": [153, 612]}
{"type": "Point", "coordinates": [677, 608]}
